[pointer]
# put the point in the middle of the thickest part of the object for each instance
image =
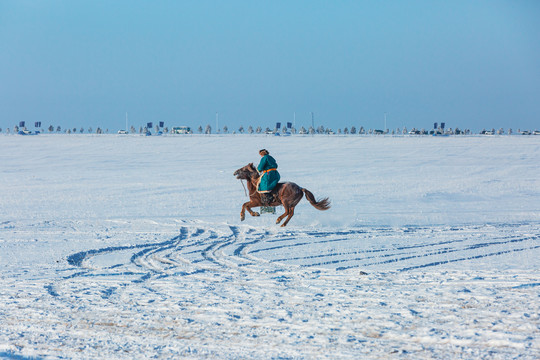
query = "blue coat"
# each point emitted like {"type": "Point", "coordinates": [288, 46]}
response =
{"type": "Point", "coordinates": [269, 179]}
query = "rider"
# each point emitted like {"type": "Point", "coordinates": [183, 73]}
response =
{"type": "Point", "coordinates": [269, 176]}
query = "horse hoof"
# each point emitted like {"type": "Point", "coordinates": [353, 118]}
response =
{"type": "Point", "coordinates": [242, 218]}
{"type": "Point", "coordinates": [283, 225]}
{"type": "Point", "coordinates": [256, 214]}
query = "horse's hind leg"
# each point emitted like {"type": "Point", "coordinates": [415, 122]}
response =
{"type": "Point", "coordinates": [284, 214]}
{"type": "Point", "coordinates": [291, 213]}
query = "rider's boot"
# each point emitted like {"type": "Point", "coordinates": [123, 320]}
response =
{"type": "Point", "coordinates": [267, 198]}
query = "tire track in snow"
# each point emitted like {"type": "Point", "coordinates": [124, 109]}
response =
{"type": "Point", "coordinates": [427, 244]}
{"type": "Point", "coordinates": [230, 250]}
{"type": "Point", "coordinates": [203, 249]}
{"type": "Point", "coordinates": [235, 282]}
{"type": "Point", "coordinates": [398, 257]}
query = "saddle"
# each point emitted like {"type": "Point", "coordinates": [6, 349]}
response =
{"type": "Point", "coordinates": [269, 197]}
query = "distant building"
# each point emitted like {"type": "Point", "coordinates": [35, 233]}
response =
{"type": "Point", "coordinates": [181, 130]}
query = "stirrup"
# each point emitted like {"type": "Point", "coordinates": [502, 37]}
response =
{"type": "Point", "coordinates": [268, 209]}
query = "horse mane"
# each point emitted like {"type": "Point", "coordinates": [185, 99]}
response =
{"type": "Point", "coordinates": [254, 173]}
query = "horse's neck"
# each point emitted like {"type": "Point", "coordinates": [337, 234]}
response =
{"type": "Point", "coordinates": [252, 185]}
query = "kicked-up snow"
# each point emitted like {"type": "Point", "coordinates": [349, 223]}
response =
{"type": "Point", "coordinates": [124, 247]}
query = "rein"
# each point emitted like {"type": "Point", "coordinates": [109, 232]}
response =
{"type": "Point", "coordinates": [245, 192]}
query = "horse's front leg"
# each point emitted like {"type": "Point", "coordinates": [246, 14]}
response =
{"type": "Point", "coordinates": [247, 206]}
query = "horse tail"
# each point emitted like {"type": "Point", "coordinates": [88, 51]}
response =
{"type": "Point", "coordinates": [323, 204]}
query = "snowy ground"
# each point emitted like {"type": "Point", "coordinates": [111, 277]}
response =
{"type": "Point", "coordinates": [125, 247]}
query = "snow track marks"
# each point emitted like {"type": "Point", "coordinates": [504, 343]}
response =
{"type": "Point", "coordinates": [220, 291]}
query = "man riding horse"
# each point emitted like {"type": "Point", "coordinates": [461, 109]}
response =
{"type": "Point", "coordinates": [263, 180]}
{"type": "Point", "coordinates": [269, 177]}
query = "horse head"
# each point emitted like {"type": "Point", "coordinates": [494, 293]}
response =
{"type": "Point", "coordinates": [247, 172]}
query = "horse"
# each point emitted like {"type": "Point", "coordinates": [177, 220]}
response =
{"type": "Point", "coordinates": [287, 194]}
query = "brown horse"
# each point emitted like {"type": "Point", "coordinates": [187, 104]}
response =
{"type": "Point", "coordinates": [287, 194]}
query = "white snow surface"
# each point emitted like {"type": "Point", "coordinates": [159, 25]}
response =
{"type": "Point", "coordinates": [122, 247]}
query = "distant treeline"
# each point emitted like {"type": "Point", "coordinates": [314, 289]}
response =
{"type": "Point", "coordinates": [287, 130]}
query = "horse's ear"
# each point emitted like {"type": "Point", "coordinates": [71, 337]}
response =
{"type": "Point", "coordinates": [251, 165]}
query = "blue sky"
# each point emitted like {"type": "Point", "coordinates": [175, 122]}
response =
{"type": "Point", "coordinates": [470, 64]}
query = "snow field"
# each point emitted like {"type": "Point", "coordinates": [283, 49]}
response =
{"type": "Point", "coordinates": [122, 247]}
